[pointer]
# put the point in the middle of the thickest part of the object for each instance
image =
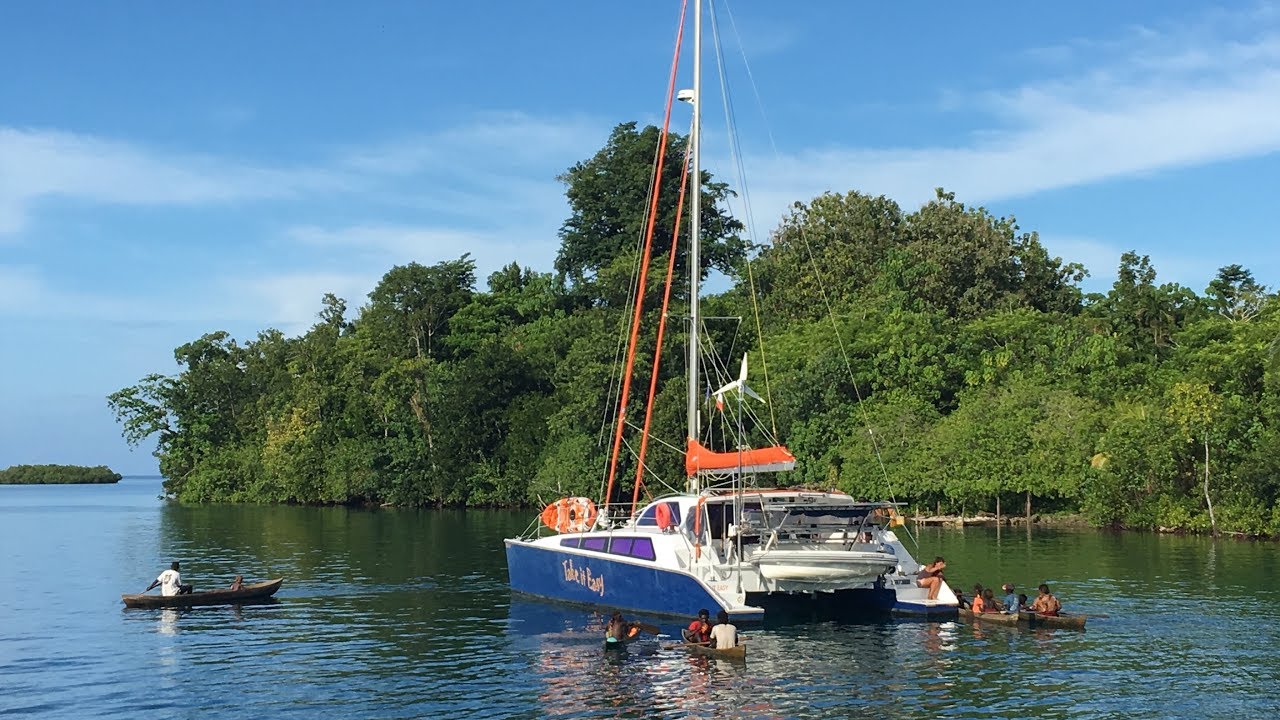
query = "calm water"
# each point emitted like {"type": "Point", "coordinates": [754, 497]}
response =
{"type": "Point", "coordinates": [390, 614]}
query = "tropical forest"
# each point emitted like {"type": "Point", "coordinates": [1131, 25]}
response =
{"type": "Point", "coordinates": [940, 357]}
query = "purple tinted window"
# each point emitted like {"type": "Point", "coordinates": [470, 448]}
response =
{"type": "Point", "coordinates": [642, 548]}
{"type": "Point", "coordinates": [621, 546]}
{"type": "Point", "coordinates": [570, 542]}
{"type": "Point", "coordinates": [595, 543]}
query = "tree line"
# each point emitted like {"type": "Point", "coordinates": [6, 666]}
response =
{"type": "Point", "coordinates": [941, 357]}
{"type": "Point", "coordinates": [57, 475]}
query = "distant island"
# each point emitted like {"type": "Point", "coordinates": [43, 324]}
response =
{"type": "Point", "coordinates": [57, 475]}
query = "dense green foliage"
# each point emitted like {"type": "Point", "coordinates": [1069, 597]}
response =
{"type": "Point", "coordinates": [940, 356]}
{"type": "Point", "coordinates": [57, 475]}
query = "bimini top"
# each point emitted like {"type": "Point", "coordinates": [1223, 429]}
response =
{"type": "Point", "coordinates": [768, 459]}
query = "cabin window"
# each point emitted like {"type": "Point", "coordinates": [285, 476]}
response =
{"type": "Point", "coordinates": [650, 514]}
{"type": "Point", "coordinates": [642, 548]}
{"type": "Point", "coordinates": [621, 546]}
{"type": "Point", "coordinates": [572, 542]}
{"type": "Point", "coordinates": [594, 543]}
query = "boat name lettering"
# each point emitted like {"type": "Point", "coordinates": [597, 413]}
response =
{"type": "Point", "coordinates": [583, 576]}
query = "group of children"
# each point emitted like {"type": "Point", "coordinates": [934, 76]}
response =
{"type": "Point", "coordinates": [984, 601]}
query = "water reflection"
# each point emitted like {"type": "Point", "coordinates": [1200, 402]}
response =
{"type": "Point", "coordinates": [167, 621]}
{"type": "Point", "coordinates": [406, 614]}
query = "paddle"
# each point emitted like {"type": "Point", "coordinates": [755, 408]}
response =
{"type": "Point", "coordinates": [646, 627]}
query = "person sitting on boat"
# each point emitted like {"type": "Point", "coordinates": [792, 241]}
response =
{"type": "Point", "coordinates": [979, 604]}
{"type": "Point", "coordinates": [1020, 606]}
{"type": "Point", "coordinates": [1010, 599]}
{"type": "Point", "coordinates": [931, 577]}
{"type": "Point", "coordinates": [699, 631]}
{"type": "Point", "coordinates": [724, 634]}
{"type": "Point", "coordinates": [170, 582]}
{"type": "Point", "coordinates": [237, 584]}
{"type": "Point", "coordinates": [1046, 603]}
{"type": "Point", "coordinates": [961, 601]}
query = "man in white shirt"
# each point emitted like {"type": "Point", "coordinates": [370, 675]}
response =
{"type": "Point", "coordinates": [724, 634]}
{"type": "Point", "coordinates": [170, 582]}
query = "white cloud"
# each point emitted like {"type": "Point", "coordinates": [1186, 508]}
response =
{"type": "Point", "coordinates": [290, 301]}
{"type": "Point", "coordinates": [40, 164]}
{"type": "Point", "coordinates": [26, 292]}
{"type": "Point", "coordinates": [486, 142]}
{"type": "Point", "coordinates": [1170, 101]}
{"type": "Point", "coordinates": [385, 245]}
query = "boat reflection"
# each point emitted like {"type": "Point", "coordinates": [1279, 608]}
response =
{"type": "Point", "coordinates": [167, 623]}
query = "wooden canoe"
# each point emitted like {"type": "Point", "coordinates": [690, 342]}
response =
{"type": "Point", "coordinates": [255, 592]}
{"type": "Point", "coordinates": [1029, 619]}
{"type": "Point", "coordinates": [733, 653]}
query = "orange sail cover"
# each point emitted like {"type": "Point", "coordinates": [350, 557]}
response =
{"type": "Point", "coordinates": [769, 459]}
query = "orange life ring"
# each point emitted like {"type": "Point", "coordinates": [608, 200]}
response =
{"type": "Point", "coordinates": [577, 514]}
{"type": "Point", "coordinates": [581, 515]}
{"type": "Point", "coordinates": [662, 515]}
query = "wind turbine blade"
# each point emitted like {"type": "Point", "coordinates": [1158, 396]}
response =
{"type": "Point", "coordinates": [731, 386]}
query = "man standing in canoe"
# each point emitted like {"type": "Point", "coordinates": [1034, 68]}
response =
{"type": "Point", "coordinates": [725, 634]}
{"type": "Point", "coordinates": [170, 582]}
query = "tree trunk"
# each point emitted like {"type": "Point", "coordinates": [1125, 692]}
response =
{"type": "Point", "coordinates": [997, 509]}
{"type": "Point", "coordinates": [1213, 524]}
{"type": "Point", "coordinates": [1028, 508]}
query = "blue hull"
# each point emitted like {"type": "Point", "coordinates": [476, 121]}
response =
{"type": "Point", "coordinates": [925, 611]}
{"type": "Point", "coordinates": [600, 581]}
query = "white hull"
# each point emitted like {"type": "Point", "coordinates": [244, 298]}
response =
{"type": "Point", "coordinates": [823, 567]}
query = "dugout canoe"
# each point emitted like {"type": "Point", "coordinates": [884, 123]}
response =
{"type": "Point", "coordinates": [254, 592]}
{"type": "Point", "coordinates": [1028, 619]}
{"type": "Point", "coordinates": [733, 653]}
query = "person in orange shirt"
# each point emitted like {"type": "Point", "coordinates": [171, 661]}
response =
{"type": "Point", "coordinates": [979, 604]}
{"type": "Point", "coordinates": [699, 631]}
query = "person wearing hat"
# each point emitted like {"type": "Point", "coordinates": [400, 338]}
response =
{"type": "Point", "coordinates": [699, 631]}
{"type": "Point", "coordinates": [1010, 597]}
{"type": "Point", "coordinates": [1012, 605]}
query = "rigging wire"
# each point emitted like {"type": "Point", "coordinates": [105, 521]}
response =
{"type": "Point", "coordinates": [736, 154]}
{"type": "Point", "coordinates": [844, 354]}
{"type": "Point", "coordinates": [650, 224]}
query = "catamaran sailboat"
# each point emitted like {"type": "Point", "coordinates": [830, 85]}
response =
{"type": "Point", "coordinates": [726, 543]}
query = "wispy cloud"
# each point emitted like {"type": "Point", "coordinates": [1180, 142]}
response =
{"type": "Point", "coordinates": [290, 301]}
{"type": "Point", "coordinates": [27, 292]}
{"type": "Point", "coordinates": [37, 165]}
{"type": "Point", "coordinates": [1154, 100]}
{"type": "Point", "coordinates": [384, 245]}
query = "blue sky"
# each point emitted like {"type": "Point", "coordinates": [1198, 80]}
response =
{"type": "Point", "coordinates": [168, 170]}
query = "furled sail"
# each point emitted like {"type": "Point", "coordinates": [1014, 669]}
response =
{"type": "Point", "coordinates": [767, 459]}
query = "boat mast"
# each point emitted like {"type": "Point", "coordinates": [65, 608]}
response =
{"type": "Point", "coordinates": [695, 262]}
